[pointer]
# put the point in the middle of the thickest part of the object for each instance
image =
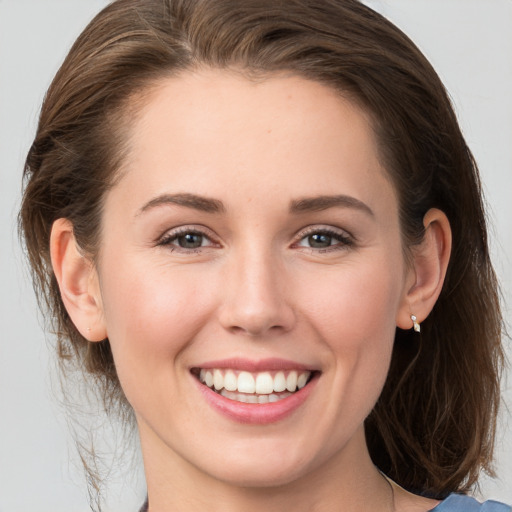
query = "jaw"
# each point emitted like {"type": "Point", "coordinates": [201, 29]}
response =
{"type": "Point", "coordinates": [263, 474]}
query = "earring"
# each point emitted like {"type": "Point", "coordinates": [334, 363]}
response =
{"type": "Point", "coordinates": [415, 323]}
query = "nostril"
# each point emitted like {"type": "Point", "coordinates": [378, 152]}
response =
{"type": "Point", "coordinates": [258, 324]}
{"type": "Point", "coordinates": [255, 330]}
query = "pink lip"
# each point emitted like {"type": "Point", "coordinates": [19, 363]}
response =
{"type": "Point", "coordinates": [256, 414]}
{"type": "Point", "coordinates": [273, 364]}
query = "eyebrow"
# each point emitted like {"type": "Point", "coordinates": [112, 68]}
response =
{"type": "Point", "coordinates": [319, 203]}
{"type": "Point", "coordinates": [303, 205]}
{"type": "Point", "coordinates": [203, 204]}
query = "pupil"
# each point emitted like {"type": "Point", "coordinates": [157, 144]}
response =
{"type": "Point", "coordinates": [320, 240]}
{"type": "Point", "coordinates": [190, 241]}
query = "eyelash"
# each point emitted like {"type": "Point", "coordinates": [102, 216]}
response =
{"type": "Point", "coordinates": [168, 239]}
{"type": "Point", "coordinates": [343, 239]}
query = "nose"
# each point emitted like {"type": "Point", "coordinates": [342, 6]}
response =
{"type": "Point", "coordinates": [254, 299]}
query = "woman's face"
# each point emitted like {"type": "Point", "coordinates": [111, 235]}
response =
{"type": "Point", "coordinates": [253, 240]}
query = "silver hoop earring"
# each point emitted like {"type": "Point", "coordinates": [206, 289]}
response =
{"type": "Point", "coordinates": [415, 323]}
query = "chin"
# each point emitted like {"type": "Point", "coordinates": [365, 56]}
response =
{"type": "Point", "coordinates": [263, 465]}
{"type": "Point", "coordinates": [258, 476]}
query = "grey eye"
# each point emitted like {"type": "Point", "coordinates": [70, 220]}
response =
{"type": "Point", "coordinates": [190, 240]}
{"type": "Point", "coordinates": [319, 240]}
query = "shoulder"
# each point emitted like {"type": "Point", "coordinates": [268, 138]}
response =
{"type": "Point", "coordinates": [461, 503]}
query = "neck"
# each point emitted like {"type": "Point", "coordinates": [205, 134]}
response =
{"type": "Point", "coordinates": [348, 480]}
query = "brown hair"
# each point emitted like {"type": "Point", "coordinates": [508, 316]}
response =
{"type": "Point", "coordinates": [433, 427]}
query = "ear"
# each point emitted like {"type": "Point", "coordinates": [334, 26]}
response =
{"type": "Point", "coordinates": [427, 271]}
{"type": "Point", "coordinates": [78, 282]}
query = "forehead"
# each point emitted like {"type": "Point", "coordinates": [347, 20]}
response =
{"type": "Point", "coordinates": [215, 128]}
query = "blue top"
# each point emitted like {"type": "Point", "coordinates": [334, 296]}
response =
{"type": "Point", "coordinates": [454, 503]}
{"type": "Point", "coordinates": [460, 503]}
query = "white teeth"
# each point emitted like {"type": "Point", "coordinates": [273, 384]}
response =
{"type": "Point", "coordinates": [261, 384]}
{"type": "Point", "coordinates": [264, 384]}
{"type": "Point", "coordinates": [301, 380]}
{"type": "Point", "coordinates": [218, 380]}
{"type": "Point", "coordinates": [246, 383]}
{"type": "Point", "coordinates": [230, 381]}
{"type": "Point", "coordinates": [279, 382]}
{"type": "Point", "coordinates": [291, 381]}
{"type": "Point", "coordinates": [260, 399]}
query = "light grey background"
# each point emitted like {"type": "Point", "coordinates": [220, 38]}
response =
{"type": "Point", "coordinates": [469, 43]}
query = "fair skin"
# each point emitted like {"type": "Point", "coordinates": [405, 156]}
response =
{"type": "Point", "coordinates": [253, 230]}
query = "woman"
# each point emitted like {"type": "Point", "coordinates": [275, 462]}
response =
{"type": "Point", "coordinates": [258, 226]}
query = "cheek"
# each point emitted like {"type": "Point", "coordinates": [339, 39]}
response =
{"type": "Point", "coordinates": [152, 316]}
{"type": "Point", "coordinates": [356, 305]}
{"type": "Point", "coordinates": [355, 317]}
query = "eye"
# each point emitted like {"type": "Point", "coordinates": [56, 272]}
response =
{"type": "Point", "coordinates": [323, 238]}
{"type": "Point", "coordinates": [186, 239]}
{"type": "Point", "coordinates": [320, 240]}
{"type": "Point", "coordinates": [190, 240]}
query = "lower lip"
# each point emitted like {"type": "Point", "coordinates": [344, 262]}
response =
{"type": "Point", "coordinates": [257, 414]}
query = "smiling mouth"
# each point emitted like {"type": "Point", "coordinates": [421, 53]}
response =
{"type": "Point", "coordinates": [255, 388]}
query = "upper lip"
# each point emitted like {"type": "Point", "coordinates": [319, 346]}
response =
{"type": "Point", "coordinates": [248, 365]}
